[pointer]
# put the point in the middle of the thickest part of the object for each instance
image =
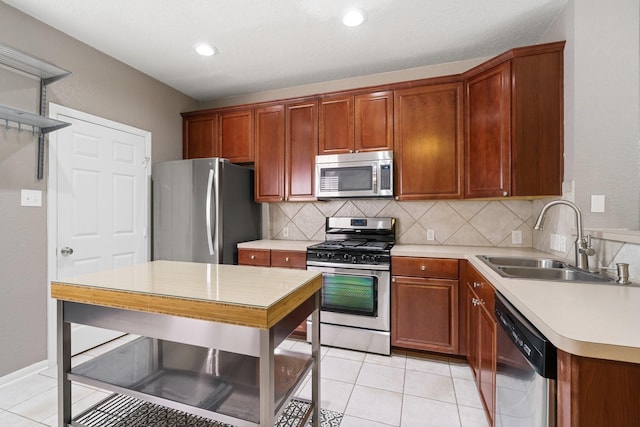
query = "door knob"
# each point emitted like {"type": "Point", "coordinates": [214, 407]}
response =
{"type": "Point", "coordinates": [66, 251]}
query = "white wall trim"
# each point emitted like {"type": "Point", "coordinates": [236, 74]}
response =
{"type": "Point", "coordinates": [58, 112]}
{"type": "Point", "coordinates": [22, 373]}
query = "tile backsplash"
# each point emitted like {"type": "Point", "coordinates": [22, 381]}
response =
{"type": "Point", "coordinates": [455, 222]}
{"type": "Point", "coordinates": [458, 222]}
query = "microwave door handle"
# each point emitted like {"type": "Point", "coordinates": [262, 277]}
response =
{"type": "Point", "coordinates": [374, 179]}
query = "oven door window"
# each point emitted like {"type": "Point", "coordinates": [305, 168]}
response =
{"type": "Point", "coordinates": [353, 294]}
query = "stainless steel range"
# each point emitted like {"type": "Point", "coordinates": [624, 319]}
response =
{"type": "Point", "coordinates": [355, 260]}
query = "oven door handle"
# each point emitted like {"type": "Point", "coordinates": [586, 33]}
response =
{"type": "Point", "coordinates": [348, 266]}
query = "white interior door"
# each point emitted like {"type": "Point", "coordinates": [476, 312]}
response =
{"type": "Point", "coordinates": [101, 203]}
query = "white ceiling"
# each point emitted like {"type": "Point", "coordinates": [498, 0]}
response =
{"type": "Point", "coordinates": [271, 44]}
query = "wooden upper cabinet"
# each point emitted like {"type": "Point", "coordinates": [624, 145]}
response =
{"type": "Point", "coordinates": [429, 142]}
{"type": "Point", "coordinates": [488, 155]}
{"type": "Point", "coordinates": [236, 135]}
{"type": "Point", "coordinates": [355, 123]}
{"type": "Point", "coordinates": [199, 136]}
{"type": "Point", "coordinates": [336, 125]}
{"type": "Point", "coordinates": [269, 165]}
{"type": "Point", "coordinates": [514, 124]}
{"type": "Point", "coordinates": [374, 121]}
{"type": "Point", "coordinates": [301, 147]}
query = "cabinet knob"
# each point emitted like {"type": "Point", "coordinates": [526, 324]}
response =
{"type": "Point", "coordinates": [423, 267]}
{"type": "Point", "coordinates": [286, 259]}
{"type": "Point", "coordinates": [505, 193]}
{"type": "Point", "coordinates": [393, 279]}
{"type": "Point", "coordinates": [477, 284]}
{"type": "Point", "coordinates": [253, 257]}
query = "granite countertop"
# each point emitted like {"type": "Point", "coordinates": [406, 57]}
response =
{"type": "Point", "coordinates": [586, 319]}
{"type": "Point", "coordinates": [250, 296]}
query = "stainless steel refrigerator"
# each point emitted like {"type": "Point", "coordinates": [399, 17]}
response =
{"type": "Point", "coordinates": [202, 208]}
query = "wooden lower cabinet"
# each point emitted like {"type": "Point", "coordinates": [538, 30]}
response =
{"type": "Point", "coordinates": [424, 304]}
{"type": "Point", "coordinates": [276, 258]}
{"type": "Point", "coordinates": [482, 335]}
{"type": "Point", "coordinates": [596, 392]}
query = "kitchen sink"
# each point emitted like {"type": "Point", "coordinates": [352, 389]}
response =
{"type": "Point", "coordinates": [564, 274]}
{"type": "Point", "coordinates": [524, 262]}
{"type": "Point", "coordinates": [534, 268]}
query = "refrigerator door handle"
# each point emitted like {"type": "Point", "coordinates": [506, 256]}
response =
{"type": "Point", "coordinates": [208, 212]}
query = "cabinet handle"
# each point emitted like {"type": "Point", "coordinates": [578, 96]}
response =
{"type": "Point", "coordinates": [477, 284]}
{"type": "Point", "coordinates": [253, 257]}
{"type": "Point", "coordinates": [286, 259]}
{"type": "Point", "coordinates": [423, 268]}
{"type": "Point", "coordinates": [476, 302]}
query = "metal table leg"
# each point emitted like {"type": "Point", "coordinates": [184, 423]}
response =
{"type": "Point", "coordinates": [315, 353]}
{"type": "Point", "coordinates": [64, 366]}
{"type": "Point", "coordinates": [267, 378]}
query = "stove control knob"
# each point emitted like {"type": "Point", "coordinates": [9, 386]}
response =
{"type": "Point", "coordinates": [346, 256]}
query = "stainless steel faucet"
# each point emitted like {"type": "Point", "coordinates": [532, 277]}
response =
{"type": "Point", "coordinates": [583, 247]}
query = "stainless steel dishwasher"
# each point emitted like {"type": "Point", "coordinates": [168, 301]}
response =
{"type": "Point", "coordinates": [526, 371]}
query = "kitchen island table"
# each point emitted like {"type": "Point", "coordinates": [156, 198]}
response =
{"type": "Point", "coordinates": [208, 342]}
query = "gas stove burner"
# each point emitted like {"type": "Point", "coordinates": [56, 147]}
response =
{"type": "Point", "coordinates": [355, 241]}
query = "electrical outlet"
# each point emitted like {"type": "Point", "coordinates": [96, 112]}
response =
{"type": "Point", "coordinates": [558, 243]}
{"type": "Point", "coordinates": [285, 232]}
{"type": "Point", "coordinates": [30, 198]}
{"type": "Point", "coordinates": [562, 244]}
{"type": "Point", "coordinates": [516, 237]}
{"type": "Point", "coordinates": [431, 234]}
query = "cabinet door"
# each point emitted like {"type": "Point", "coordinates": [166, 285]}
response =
{"type": "Point", "coordinates": [301, 148]}
{"type": "Point", "coordinates": [236, 136]}
{"type": "Point", "coordinates": [269, 166]}
{"type": "Point", "coordinates": [374, 121]}
{"type": "Point", "coordinates": [336, 125]}
{"type": "Point", "coordinates": [425, 314]}
{"type": "Point", "coordinates": [199, 137]}
{"type": "Point", "coordinates": [428, 142]}
{"type": "Point", "coordinates": [488, 145]}
{"type": "Point", "coordinates": [473, 332]}
{"type": "Point", "coordinates": [487, 360]}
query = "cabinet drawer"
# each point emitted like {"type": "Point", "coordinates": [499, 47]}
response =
{"type": "Point", "coordinates": [425, 267]}
{"type": "Point", "coordinates": [290, 259]}
{"type": "Point", "coordinates": [258, 257]}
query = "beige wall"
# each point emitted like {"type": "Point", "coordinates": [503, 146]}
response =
{"type": "Point", "coordinates": [100, 86]}
{"type": "Point", "coordinates": [602, 108]}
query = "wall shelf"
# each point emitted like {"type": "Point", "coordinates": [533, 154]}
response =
{"type": "Point", "coordinates": [36, 121]}
{"type": "Point", "coordinates": [47, 73]}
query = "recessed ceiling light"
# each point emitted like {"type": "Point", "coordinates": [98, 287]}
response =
{"type": "Point", "coordinates": [205, 49]}
{"type": "Point", "coordinates": [353, 18]}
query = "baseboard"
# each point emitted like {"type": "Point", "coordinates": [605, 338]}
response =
{"type": "Point", "coordinates": [24, 372]}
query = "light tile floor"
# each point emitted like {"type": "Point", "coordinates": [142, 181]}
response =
{"type": "Point", "coordinates": [403, 390]}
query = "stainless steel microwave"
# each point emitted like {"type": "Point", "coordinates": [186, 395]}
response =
{"type": "Point", "coordinates": [368, 174]}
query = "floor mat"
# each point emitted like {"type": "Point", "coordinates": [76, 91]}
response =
{"type": "Point", "coordinates": [125, 411]}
